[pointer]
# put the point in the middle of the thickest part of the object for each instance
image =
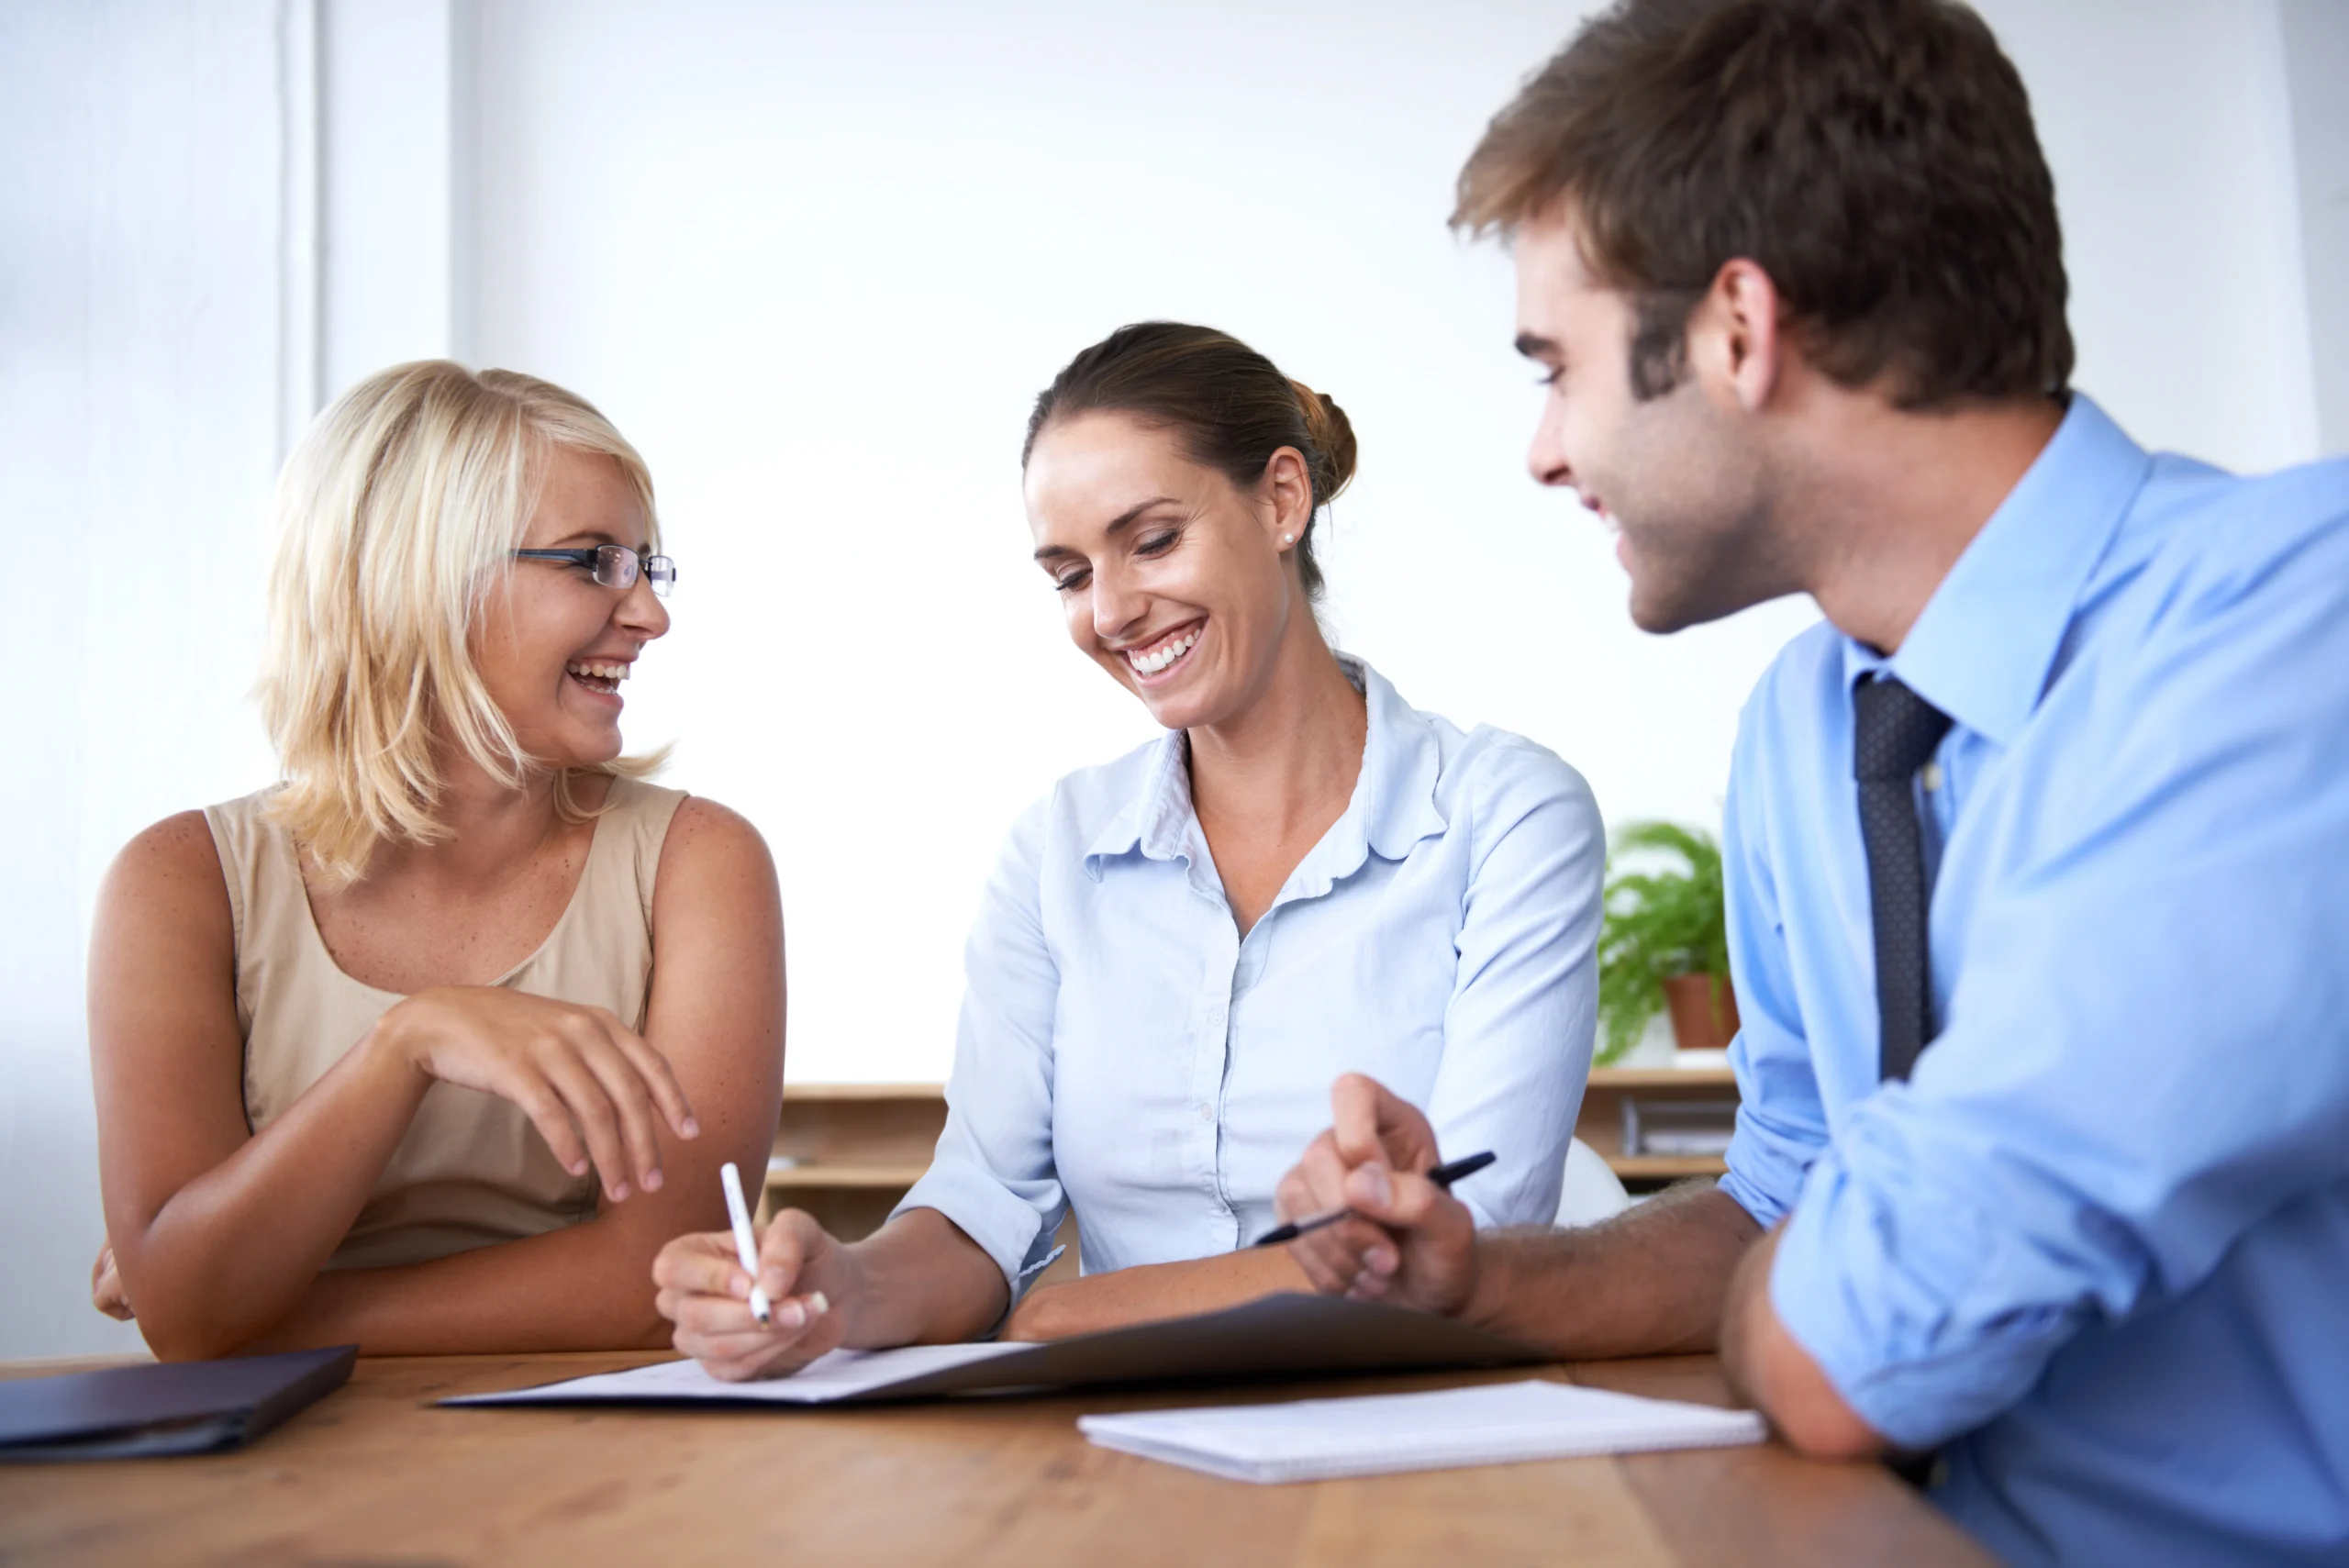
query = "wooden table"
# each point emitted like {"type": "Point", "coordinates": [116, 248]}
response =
{"type": "Point", "coordinates": [375, 1475]}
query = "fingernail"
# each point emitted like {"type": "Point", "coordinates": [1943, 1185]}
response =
{"type": "Point", "coordinates": [791, 1315]}
{"type": "Point", "coordinates": [619, 1192]}
{"type": "Point", "coordinates": [1375, 1185]}
{"type": "Point", "coordinates": [818, 1305]}
{"type": "Point", "coordinates": [1379, 1261]}
{"type": "Point", "coordinates": [652, 1180]}
{"type": "Point", "coordinates": [692, 1129]}
{"type": "Point", "coordinates": [740, 1286]}
{"type": "Point", "coordinates": [579, 1167]}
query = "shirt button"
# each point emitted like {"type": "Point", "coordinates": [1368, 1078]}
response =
{"type": "Point", "coordinates": [1206, 1113]}
{"type": "Point", "coordinates": [1931, 777]}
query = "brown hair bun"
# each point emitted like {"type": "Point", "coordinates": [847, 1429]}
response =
{"type": "Point", "coordinates": [1333, 442]}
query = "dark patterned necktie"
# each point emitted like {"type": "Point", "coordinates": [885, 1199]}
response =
{"type": "Point", "coordinates": [1893, 731]}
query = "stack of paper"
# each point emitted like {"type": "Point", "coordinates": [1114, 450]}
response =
{"type": "Point", "coordinates": [1314, 1439]}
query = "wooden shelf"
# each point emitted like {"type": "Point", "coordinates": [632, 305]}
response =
{"type": "Point", "coordinates": [1601, 1123]}
{"type": "Point", "coordinates": [834, 1093]}
{"type": "Point", "coordinates": [838, 1176]}
{"type": "Point", "coordinates": [855, 1147]}
{"type": "Point", "coordinates": [1661, 1078]}
{"type": "Point", "coordinates": [1666, 1167]}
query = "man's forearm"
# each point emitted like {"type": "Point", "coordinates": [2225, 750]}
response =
{"type": "Point", "coordinates": [1650, 1282]}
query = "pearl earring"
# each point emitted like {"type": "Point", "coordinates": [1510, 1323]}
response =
{"type": "Point", "coordinates": [1288, 539]}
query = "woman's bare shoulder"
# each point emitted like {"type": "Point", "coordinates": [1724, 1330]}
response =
{"type": "Point", "coordinates": [163, 910]}
{"type": "Point", "coordinates": [713, 856]}
{"type": "Point", "coordinates": [174, 861]}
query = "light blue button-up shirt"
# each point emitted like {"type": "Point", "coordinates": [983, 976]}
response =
{"type": "Point", "coordinates": [2099, 1244]}
{"type": "Point", "coordinates": [1124, 1051]}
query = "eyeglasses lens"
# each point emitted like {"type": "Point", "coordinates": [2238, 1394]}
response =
{"type": "Point", "coordinates": [615, 566]}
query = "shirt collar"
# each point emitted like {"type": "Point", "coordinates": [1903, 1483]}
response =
{"type": "Point", "coordinates": [1393, 805]}
{"type": "Point", "coordinates": [1981, 649]}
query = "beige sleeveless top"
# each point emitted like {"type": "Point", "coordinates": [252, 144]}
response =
{"type": "Point", "coordinates": [472, 1170]}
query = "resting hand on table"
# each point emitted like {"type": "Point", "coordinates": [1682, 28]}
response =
{"type": "Point", "coordinates": [1408, 1242]}
{"type": "Point", "coordinates": [706, 1293]}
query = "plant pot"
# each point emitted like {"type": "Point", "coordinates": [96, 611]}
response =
{"type": "Point", "coordinates": [1696, 1023]}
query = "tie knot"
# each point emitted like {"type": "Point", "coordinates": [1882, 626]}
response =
{"type": "Point", "coordinates": [1893, 730]}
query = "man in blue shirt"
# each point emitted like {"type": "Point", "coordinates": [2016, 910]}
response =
{"type": "Point", "coordinates": [2037, 849]}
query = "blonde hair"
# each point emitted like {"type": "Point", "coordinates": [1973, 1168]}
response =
{"type": "Point", "coordinates": [396, 515]}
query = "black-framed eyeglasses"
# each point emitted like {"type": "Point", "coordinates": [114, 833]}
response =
{"type": "Point", "coordinates": [614, 565]}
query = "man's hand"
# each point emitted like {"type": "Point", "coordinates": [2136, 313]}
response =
{"type": "Point", "coordinates": [1771, 1369]}
{"type": "Point", "coordinates": [1407, 1240]}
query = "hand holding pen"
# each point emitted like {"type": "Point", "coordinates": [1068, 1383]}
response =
{"type": "Point", "coordinates": [1442, 1176]}
{"type": "Point", "coordinates": [746, 1306]}
{"type": "Point", "coordinates": [1398, 1236]}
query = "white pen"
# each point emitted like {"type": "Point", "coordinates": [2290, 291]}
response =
{"type": "Point", "coordinates": [746, 1246]}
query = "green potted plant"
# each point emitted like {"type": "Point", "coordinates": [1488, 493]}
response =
{"type": "Point", "coordinates": [1666, 941]}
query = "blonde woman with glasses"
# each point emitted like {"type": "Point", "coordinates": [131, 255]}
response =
{"type": "Point", "coordinates": [433, 1044]}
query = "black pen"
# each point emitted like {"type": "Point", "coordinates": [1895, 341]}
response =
{"type": "Point", "coordinates": [1442, 1176]}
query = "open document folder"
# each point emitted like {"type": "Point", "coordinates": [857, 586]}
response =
{"type": "Point", "coordinates": [1276, 1336]}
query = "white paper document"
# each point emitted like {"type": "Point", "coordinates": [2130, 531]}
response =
{"type": "Point", "coordinates": [1316, 1440]}
{"type": "Point", "coordinates": [835, 1375]}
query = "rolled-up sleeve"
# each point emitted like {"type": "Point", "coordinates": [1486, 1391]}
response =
{"type": "Point", "coordinates": [2144, 1057]}
{"type": "Point", "coordinates": [992, 1173]}
{"type": "Point", "coordinates": [1781, 1121]}
{"type": "Point", "coordinates": [1519, 1027]}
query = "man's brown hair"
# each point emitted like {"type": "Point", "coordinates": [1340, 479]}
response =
{"type": "Point", "coordinates": [1876, 158]}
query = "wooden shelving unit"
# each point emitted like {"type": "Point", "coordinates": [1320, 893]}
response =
{"type": "Point", "coordinates": [1602, 1122]}
{"type": "Point", "coordinates": [846, 1152]}
{"type": "Point", "coordinates": [841, 1178]}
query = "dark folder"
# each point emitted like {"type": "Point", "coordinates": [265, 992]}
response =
{"type": "Point", "coordinates": [136, 1412]}
{"type": "Point", "coordinates": [1291, 1335]}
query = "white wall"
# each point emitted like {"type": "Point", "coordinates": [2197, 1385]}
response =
{"type": "Point", "coordinates": [140, 379]}
{"type": "Point", "coordinates": [816, 261]}
{"type": "Point", "coordinates": [2316, 61]}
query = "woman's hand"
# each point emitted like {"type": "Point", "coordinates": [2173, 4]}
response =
{"type": "Point", "coordinates": [590, 1083]}
{"type": "Point", "coordinates": [808, 1277]}
{"type": "Point", "coordinates": [105, 1287]}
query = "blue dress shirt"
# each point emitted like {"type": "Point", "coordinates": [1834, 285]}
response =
{"type": "Point", "coordinates": [1124, 1051]}
{"type": "Point", "coordinates": [2098, 1245]}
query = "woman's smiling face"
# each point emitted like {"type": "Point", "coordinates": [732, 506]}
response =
{"type": "Point", "coordinates": [1173, 579]}
{"type": "Point", "coordinates": [552, 644]}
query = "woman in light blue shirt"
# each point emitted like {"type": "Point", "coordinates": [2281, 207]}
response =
{"type": "Point", "coordinates": [1180, 950]}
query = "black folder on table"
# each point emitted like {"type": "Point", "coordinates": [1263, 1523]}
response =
{"type": "Point", "coordinates": [171, 1407]}
{"type": "Point", "coordinates": [1285, 1336]}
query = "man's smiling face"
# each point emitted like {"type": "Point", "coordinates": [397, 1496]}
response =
{"type": "Point", "coordinates": [1677, 473]}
